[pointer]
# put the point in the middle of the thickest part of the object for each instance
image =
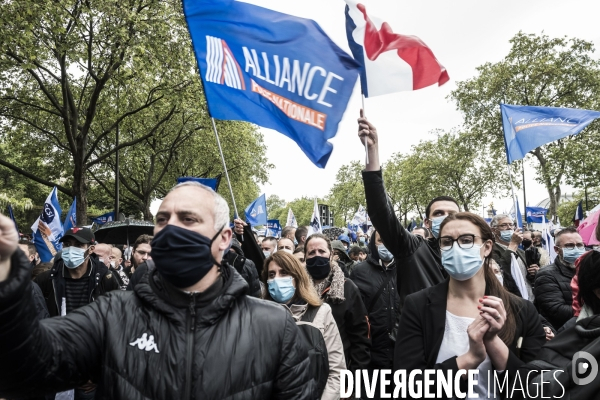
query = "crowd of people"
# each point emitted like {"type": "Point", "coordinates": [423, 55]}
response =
{"type": "Point", "coordinates": [201, 310]}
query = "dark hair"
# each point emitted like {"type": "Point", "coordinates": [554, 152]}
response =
{"type": "Point", "coordinates": [588, 279]}
{"type": "Point", "coordinates": [301, 231]}
{"type": "Point", "coordinates": [570, 229]}
{"type": "Point", "coordinates": [356, 250]}
{"type": "Point", "coordinates": [41, 267]}
{"type": "Point", "coordinates": [30, 247]}
{"type": "Point", "coordinates": [299, 249]}
{"type": "Point", "coordinates": [142, 239]}
{"type": "Point", "coordinates": [425, 231]}
{"type": "Point", "coordinates": [318, 236]}
{"type": "Point", "coordinates": [287, 230]}
{"type": "Point", "coordinates": [439, 198]}
{"type": "Point", "coordinates": [492, 284]}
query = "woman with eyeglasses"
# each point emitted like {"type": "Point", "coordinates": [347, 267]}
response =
{"type": "Point", "coordinates": [468, 321]}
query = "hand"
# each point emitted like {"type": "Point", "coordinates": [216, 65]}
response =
{"type": "Point", "coordinates": [366, 131]}
{"type": "Point", "coordinates": [44, 229]}
{"type": "Point", "coordinates": [549, 333]}
{"type": "Point", "coordinates": [533, 269]}
{"type": "Point", "coordinates": [476, 331]}
{"type": "Point", "coordinates": [239, 226]}
{"type": "Point", "coordinates": [88, 387]}
{"type": "Point", "coordinates": [492, 310]}
{"type": "Point", "coordinates": [517, 237]}
{"type": "Point", "coordinates": [9, 240]}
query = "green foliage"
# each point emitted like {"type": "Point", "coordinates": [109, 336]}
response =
{"type": "Point", "coordinates": [566, 209]}
{"type": "Point", "coordinates": [538, 71]}
{"type": "Point", "coordinates": [347, 193]}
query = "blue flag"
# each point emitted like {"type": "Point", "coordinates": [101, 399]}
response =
{"type": "Point", "coordinates": [47, 229]}
{"type": "Point", "coordinates": [519, 216]}
{"type": "Point", "coordinates": [12, 216]}
{"type": "Point", "coordinates": [272, 69]}
{"type": "Point", "coordinates": [527, 128]}
{"type": "Point", "coordinates": [273, 228]}
{"type": "Point", "coordinates": [104, 218]}
{"type": "Point", "coordinates": [256, 212]}
{"type": "Point", "coordinates": [71, 218]}
{"type": "Point", "coordinates": [212, 183]}
{"type": "Point", "coordinates": [536, 214]}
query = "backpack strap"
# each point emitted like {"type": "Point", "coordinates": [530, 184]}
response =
{"type": "Point", "coordinates": [310, 314]}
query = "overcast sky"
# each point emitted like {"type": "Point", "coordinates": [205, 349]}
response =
{"type": "Point", "coordinates": [463, 34]}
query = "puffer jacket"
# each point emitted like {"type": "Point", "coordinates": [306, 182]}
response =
{"type": "Point", "coordinates": [153, 343]}
{"type": "Point", "coordinates": [384, 311]}
{"type": "Point", "coordinates": [553, 296]}
{"type": "Point", "coordinates": [335, 349]}
{"type": "Point", "coordinates": [245, 267]}
{"type": "Point", "coordinates": [418, 260]}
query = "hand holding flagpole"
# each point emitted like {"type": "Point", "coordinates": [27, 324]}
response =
{"type": "Point", "coordinates": [362, 113]}
{"type": "Point", "coordinates": [368, 135]}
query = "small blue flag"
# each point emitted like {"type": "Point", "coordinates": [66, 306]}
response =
{"type": "Point", "coordinates": [12, 216]}
{"type": "Point", "coordinates": [275, 70]}
{"type": "Point", "coordinates": [71, 218]}
{"type": "Point", "coordinates": [273, 228]}
{"type": "Point", "coordinates": [104, 218]}
{"type": "Point", "coordinates": [256, 212]}
{"type": "Point", "coordinates": [212, 183]}
{"type": "Point", "coordinates": [519, 216]}
{"type": "Point", "coordinates": [47, 229]}
{"type": "Point", "coordinates": [536, 214]}
{"type": "Point", "coordinates": [527, 128]}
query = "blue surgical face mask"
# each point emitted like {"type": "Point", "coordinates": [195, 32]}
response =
{"type": "Point", "coordinates": [384, 253]}
{"type": "Point", "coordinates": [462, 264]}
{"type": "Point", "coordinates": [571, 256]}
{"type": "Point", "coordinates": [435, 225]}
{"type": "Point", "coordinates": [361, 239]}
{"type": "Point", "coordinates": [295, 242]}
{"type": "Point", "coordinates": [73, 256]}
{"type": "Point", "coordinates": [281, 289]}
{"type": "Point", "coordinates": [506, 235]}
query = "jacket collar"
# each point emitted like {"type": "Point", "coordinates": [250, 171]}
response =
{"type": "Point", "coordinates": [564, 269]}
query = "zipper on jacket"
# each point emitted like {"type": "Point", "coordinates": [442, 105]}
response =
{"type": "Point", "coordinates": [189, 348]}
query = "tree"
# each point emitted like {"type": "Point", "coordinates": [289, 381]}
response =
{"type": "Point", "coordinates": [62, 65]}
{"type": "Point", "coordinates": [274, 204]}
{"type": "Point", "coordinates": [566, 209]}
{"type": "Point", "coordinates": [538, 71]}
{"type": "Point", "coordinates": [347, 193]}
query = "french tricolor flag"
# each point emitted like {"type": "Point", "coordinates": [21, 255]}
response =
{"type": "Point", "coordinates": [391, 62]}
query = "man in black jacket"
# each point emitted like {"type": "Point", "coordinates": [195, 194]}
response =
{"type": "Point", "coordinates": [418, 260]}
{"type": "Point", "coordinates": [187, 331]}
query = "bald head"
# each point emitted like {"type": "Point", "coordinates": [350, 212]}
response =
{"type": "Point", "coordinates": [103, 252]}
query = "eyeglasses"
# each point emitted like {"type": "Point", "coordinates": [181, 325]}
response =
{"type": "Point", "coordinates": [505, 226]}
{"type": "Point", "coordinates": [569, 246]}
{"type": "Point", "coordinates": [466, 242]}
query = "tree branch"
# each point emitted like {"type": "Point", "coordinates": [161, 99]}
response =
{"type": "Point", "coordinates": [35, 178]}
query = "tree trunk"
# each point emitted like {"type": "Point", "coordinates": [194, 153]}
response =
{"type": "Point", "coordinates": [146, 210]}
{"type": "Point", "coordinates": [79, 183]}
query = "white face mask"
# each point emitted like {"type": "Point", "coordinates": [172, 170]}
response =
{"type": "Point", "coordinates": [112, 264]}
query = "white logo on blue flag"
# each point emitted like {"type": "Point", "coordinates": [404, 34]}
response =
{"type": "Point", "coordinates": [48, 229]}
{"type": "Point", "coordinates": [221, 65]}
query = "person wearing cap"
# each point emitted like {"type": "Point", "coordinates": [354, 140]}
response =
{"type": "Point", "coordinates": [78, 277]}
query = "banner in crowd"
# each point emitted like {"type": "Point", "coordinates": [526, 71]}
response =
{"type": "Point", "coordinates": [527, 128]}
{"type": "Point", "coordinates": [272, 69]}
{"type": "Point", "coordinates": [315, 221]}
{"type": "Point", "coordinates": [104, 218]}
{"type": "Point", "coordinates": [291, 219]}
{"type": "Point", "coordinates": [71, 218]}
{"type": "Point", "coordinates": [256, 212]}
{"type": "Point", "coordinates": [273, 228]}
{"type": "Point", "coordinates": [212, 183]}
{"type": "Point", "coordinates": [360, 217]}
{"type": "Point", "coordinates": [390, 62]}
{"type": "Point", "coordinates": [47, 229]}
{"type": "Point", "coordinates": [536, 214]}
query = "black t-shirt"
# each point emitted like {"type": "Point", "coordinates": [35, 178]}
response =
{"type": "Point", "coordinates": [77, 292]}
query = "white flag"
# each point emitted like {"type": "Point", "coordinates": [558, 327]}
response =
{"type": "Point", "coordinates": [549, 246]}
{"type": "Point", "coordinates": [360, 218]}
{"type": "Point", "coordinates": [315, 221]}
{"type": "Point", "coordinates": [291, 219]}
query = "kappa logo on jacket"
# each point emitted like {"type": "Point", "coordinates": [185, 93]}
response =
{"type": "Point", "coordinates": [145, 343]}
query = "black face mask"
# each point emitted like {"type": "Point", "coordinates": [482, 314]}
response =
{"type": "Point", "coordinates": [526, 243]}
{"type": "Point", "coordinates": [318, 267]}
{"type": "Point", "coordinates": [181, 256]}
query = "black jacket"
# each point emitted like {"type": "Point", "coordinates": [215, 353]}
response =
{"type": "Point", "coordinates": [53, 284]}
{"type": "Point", "coordinates": [370, 276]}
{"type": "Point", "coordinates": [422, 325]}
{"type": "Point", "coordinates": [39, 301]}
{"type": "Point", "coordinates": [153, 344]}
{"type": "Point", "coordinates": [418, 260]}
{"type": "Point", "coordinates": [245, 267]}
{"type": "Point", "coordinates": [351, 318]}
{"type": "Point", "coordinates": [137, 275]}
{"type": "Point", "coordinates": [553, 295]}
{"type": "Point", "coordinates": [503, 258]}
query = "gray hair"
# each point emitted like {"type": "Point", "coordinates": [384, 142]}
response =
{"type": "Point", "coordinates": [497, 219]}
{"type": "Point", "coordinates": [221, 207]}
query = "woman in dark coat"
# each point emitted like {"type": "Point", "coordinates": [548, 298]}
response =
{"type": "Point", "coordinates": [468, 321]}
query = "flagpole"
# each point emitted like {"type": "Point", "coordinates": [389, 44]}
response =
{"type": "Point", "coordinates": [524, 193]}
{"type": "Point", "coordinates": [362, 96]}
{"type": "Point", "coordinates": [512, 186]}
{"type": "Point", "coordinates": [225, 168]}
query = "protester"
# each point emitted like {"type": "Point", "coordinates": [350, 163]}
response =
{"type": "Point", "coordinates": [553, 283]}
{"type": "Point", "coordinates": [421, 259]}
{"type": "Point", "coordinates": [155, 343]}
{"type": "Point", "coordinates": [301, 234]}
{"type": "Point", "coordinates": [538, 241]}
{"type": "Point", "coordinates": [289, 232]}
{"type": "Point", "coordinates": [140, 254]}
{"type": "Point", "coordinates": [115, 264]}
{"type": "Point", "coordinates": [36, 292]}
{"type": "Point", "coordinates": [344, 298]}
{"type": "Point", "coordinates": [376, 280]}
{"type": "Point", "coordinates": [341, 257]}
{"type": "Point", "coordinates": [269, 246]}
{"type": "Point", "coordinates": [468, 321]}
{"type": "Point", "coordinates": [511, 259]}
{"type": "Point", "coordinates": [288, 284]}
{"type": "Point", "coordinates": [245, 267]}
{"type": "Point", "coordinates": [286, 244]}
{"type": "Point", "coordinates": [538, 253]}
{"type": "Point", "coordinates": [103, 251]}
{"type": "Point", "coordinates": [41, 267]}
{"type": "Point", "coordinates": [423, 232]}
{"type": "Point", "coordinates": [345, 241]}
{"type": "Point", "coordinates": [357, 254]}
{"type": "Point", "coordinates": [299, 254]}
{"type": "Point", "coordinates": [30, 251]}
